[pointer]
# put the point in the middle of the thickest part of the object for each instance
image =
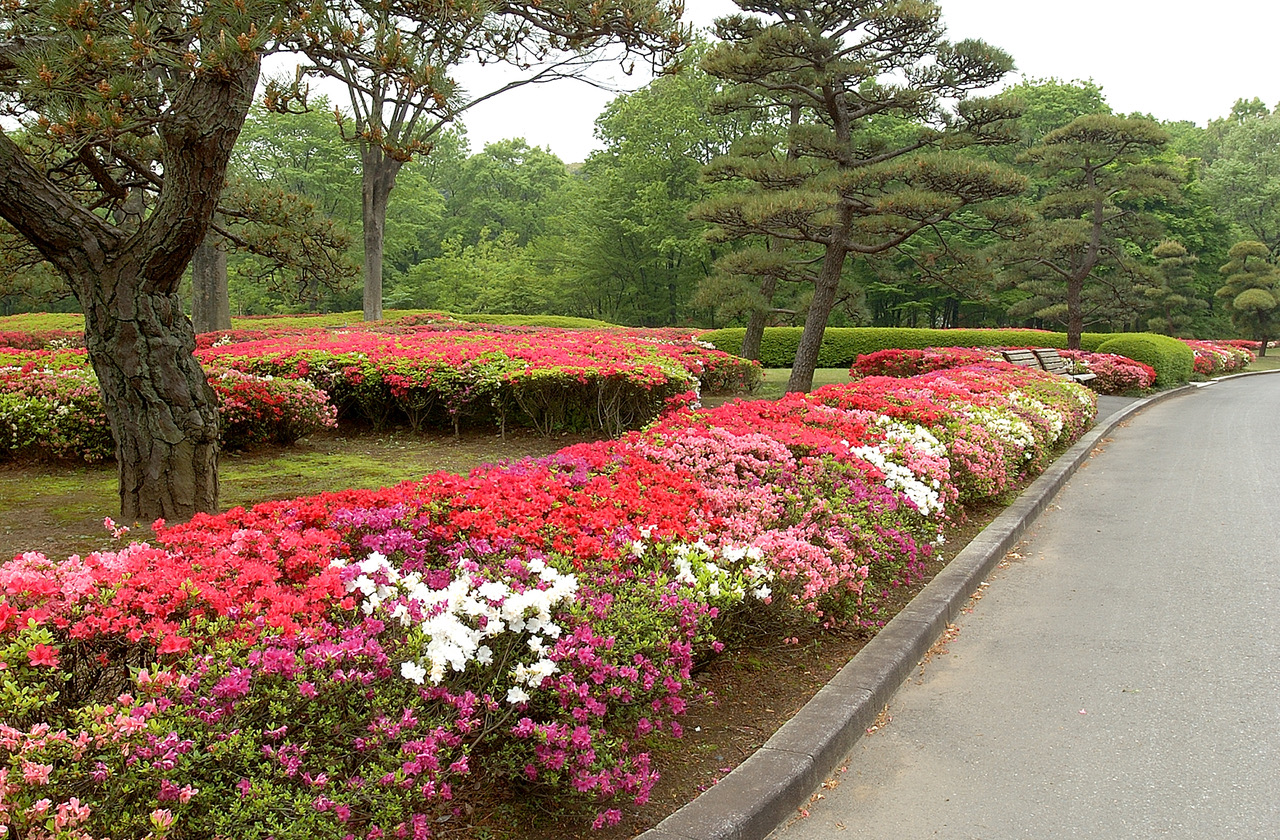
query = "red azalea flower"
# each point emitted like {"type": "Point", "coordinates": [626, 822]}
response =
{"type": "Point", "coordinates": [43, 655]}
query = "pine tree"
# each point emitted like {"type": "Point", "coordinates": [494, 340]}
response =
{"type": "Point", "coordinates": [871, 155]}
{"type": "Point", "coordinates": [128, 115]}
{"type": "Point", "coordinates": [1252, 290]}
{"type": "Point", "coordinates": [1173, 296]}
{"type": "Point", "coordinates": [1078, 263]}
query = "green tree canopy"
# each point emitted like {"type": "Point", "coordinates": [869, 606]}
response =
{"type": "Point", "coordinates": [1244, 180]}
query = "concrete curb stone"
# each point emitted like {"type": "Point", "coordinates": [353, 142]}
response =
{"type": "Point", "coordinates": [767, 788]}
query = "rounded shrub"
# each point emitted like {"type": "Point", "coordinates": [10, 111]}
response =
{"type": "Point", "coordinates": [1172, 360]}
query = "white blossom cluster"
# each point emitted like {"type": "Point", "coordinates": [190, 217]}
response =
{"type": "Point", "coordinates": [462, 620]}
{"type": "Point", "coordinates": [1003, 425]}
{"type": "Point", "coordinates": [923, 495]}
{"type": "Point", "coordinates": [1029, 403]}
{"type": "Point", "coordinates": [910, 434]}
{"type": "Point", "coordinates": [696, 567]}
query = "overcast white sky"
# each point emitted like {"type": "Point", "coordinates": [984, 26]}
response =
{"type": "Point", "coordinates": [1169, 58]}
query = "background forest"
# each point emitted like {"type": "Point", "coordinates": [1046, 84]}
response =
{"type": "Point", "coordinates": [511, 228]}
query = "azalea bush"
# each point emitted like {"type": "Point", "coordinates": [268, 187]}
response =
{"type": "Point", "coordinates": [1215, 358]}
{"type": "Point", "coordinates": [50, 407]}
{"type": "Point", "coordinates": [913, 362]}
{"type": "Point", "coordinates": [1113, 374]}
{"type": "Point", "coordinates": [257, 410]}
{"type": "Point", "coordinates": [426, 376]}
{"type": "Point", "coordinates": [354, 664]}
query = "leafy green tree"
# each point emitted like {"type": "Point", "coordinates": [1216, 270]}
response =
{"type": "Point", "coordinates": [1251, 291]}
{"type": "Point", "coordinates": [1244, 180]}
{"type": "Point", "coordinates": [494, 274]}
{"type": "Point", "coordinates": [510, 186]}
{"type": "Point", "coordinates": [1048, 104]}
{"type": "Point", "coordinates": [1173, 296]}
{"type": "Point", "coordinates": [127, 119]}
{"type": "Point", "coordinates": [631, 230]}
{"type": "Point", "coordinates": [1080, 263]}
{"type": "Point", "coordinates": [833, 188]}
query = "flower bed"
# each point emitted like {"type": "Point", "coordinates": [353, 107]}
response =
{"type": "Point", "coordinates": [547, 379]}
{"type": "Point", "coordinates": [50, 407]}
{"type": "Point", "coordinates": [346, 665]}
{"type": "Point", "coordinates": [910, 362]}
{"type": "Point", "coordinates": [1216, 358]}
{"type": "Point", "coordinates": [1113, 374]}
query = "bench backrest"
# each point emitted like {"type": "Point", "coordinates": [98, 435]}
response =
{"type": "Point", "coordinates": [1025, 358]}
{"type": "Point", "coordinates": [1051, 360]}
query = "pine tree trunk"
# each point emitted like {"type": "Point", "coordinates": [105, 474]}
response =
{"type": "Point", "coordinates": [162, 410]}
{"type": "Point", "coordinates": [377, 178]}
{"type": "Point", "coordinates": [127, 279]}
{"type": "Point", "coordinates": [815, 323]}
{"type": "Point", "coordinates": [1075, 312]}
{"type": "Point", "coordinates": [752, 338]}
{"type": "Point", "coordinates": [210, 299]}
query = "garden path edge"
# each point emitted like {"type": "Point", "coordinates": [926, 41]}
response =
{"type": "Point", "coordinates": [766, 789]}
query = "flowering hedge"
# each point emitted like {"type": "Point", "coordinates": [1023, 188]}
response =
{"type": "Point", "coordinates": [911, 362]}
{"type": "Point", "coordinates": [50, 406]}
{"type": "Point", "coordinates": [349, 664]}
{"type": "Point", "coordinates": [1214, 358]}
{"type": "Point", "coordinates": [548, 379]}
{"type": "Point", "coordinates": [1113, 374]}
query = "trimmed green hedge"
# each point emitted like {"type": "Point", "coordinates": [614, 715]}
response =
{"type": "Point", "coordinates": [841, 345]}
{"type": "Point", "coordinates": [567, 322]}
{"type": "Point", "coordinates": [1172, 359]}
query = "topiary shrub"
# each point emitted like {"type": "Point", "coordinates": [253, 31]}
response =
{"type": "Point", "coordinates": [1172, 360]}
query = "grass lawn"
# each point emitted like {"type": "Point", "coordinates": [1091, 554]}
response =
{"type": "Point", "coordinates": [58, 508]}
{"type": "Point", "coordinates": [775, 380]}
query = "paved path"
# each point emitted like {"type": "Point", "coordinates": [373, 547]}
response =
{"type": "Point", "coordinates": [1121, 679]}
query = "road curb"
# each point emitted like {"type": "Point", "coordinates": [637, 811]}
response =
{"type": "Point", "coordinates": [766, 789]}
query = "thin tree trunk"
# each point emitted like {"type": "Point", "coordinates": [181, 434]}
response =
{"type": "Point", "coordinates": [210, 299]}
{"type": "Point", "coordinates": [377, 178]}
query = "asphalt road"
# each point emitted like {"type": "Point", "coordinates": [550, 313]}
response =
{"type": "Point", "coordinates": [1120, 676]}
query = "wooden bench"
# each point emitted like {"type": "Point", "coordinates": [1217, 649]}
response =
{"type": "Point", "coordinates": [1045, 358]}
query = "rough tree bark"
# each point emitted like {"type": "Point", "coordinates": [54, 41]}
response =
{"type": "Point", "coordinates": [140, 343]}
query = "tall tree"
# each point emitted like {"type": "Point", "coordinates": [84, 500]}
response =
{"type": "Point", "coordinates": [1244, 180]}
{"type": "Point", "coordinates": [509, 187]}
{"type": "Point", "coordinates": [129, 116]}
{"type": "Point", "coordinates": [1078, 263]}
{"type": "Point", "coordinates": [1252, 291]}
{"type": "Point", "coordinates": [396, 68]}
{"type": "Point", "coordinates": [632, 230]}
{"type": "Point", "coordinates": [832, 188]}
{"type": "Point", "coordinates": [285, 216]}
